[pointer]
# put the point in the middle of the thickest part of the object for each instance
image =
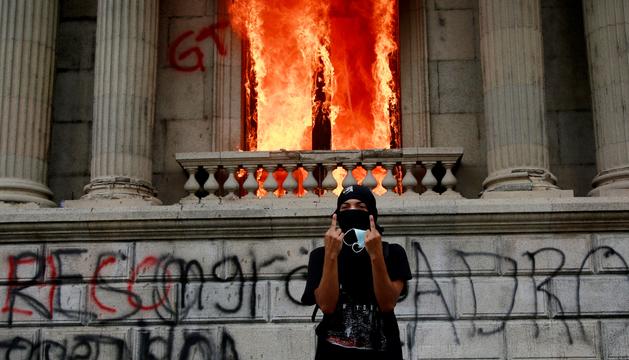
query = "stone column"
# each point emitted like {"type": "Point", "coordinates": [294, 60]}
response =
{"type": "Point", "coordinates": [414, 67]}
{"type": "Point", "coordinates": [225, 69]}
{"type": "Point", "coordinates": [607, 34]}
{"type": "Point", "coordinates": [27, 53]}
{"type": "Point", "coordinates": [124, 102]}
{"type": "Point", "coordinates": [513, 85]}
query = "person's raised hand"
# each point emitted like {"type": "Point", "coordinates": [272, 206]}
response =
{"type": "Point", "coordinates": [373, 239]}
{"type": "Point", "coordinates": [333, 240]}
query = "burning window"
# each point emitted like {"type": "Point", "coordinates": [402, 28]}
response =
{"type": "Point", "coordinates": [319, 74]}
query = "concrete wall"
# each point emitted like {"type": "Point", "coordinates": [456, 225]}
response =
{"type": "Point", "coordinates": [477, 296]}
{"type": "Point", "coordinates": [184, 110]}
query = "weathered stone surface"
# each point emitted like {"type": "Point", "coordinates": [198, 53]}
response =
{"type": "Point", "coordinates": [611, 252]}
{"type": "Point", "coordinates": [78, 8]}
{"type": "Point", "coordinates": [68, 188]}
{"type": "Point", "coordinates": [180, 94]}
{"type": "Point", "coordinates": [172, 259]}
{"type": "Point", "coordinates": [615, 338]}
{"type": "Point", "coordinates": [274, 342]}
{"type": "Point", "coordinates": [73, 101]}
{"type": "Point", "coordinates": [184, 342]}
{"type": "Point", "coordinates": [575, 177]}
{"type": "Point", "coordinates": [460, 87]}
{"type": "Point", "coordinates": [106, 343]}
{"type": "Point", "coordinates": [76, 41]}
{"type": "Point", "coordinates": [183, 8]}
{"type": "Point", "coordinates": [132, 302]}
{"type": "Point", "coordinates": [111, 261]}
{"type": "Point", "coordinates": [445, 254]}
{"type": "Point", "coordinates": [551, 252]}
{"type": "Point", "coordinates": [70, 139]}
{"type": "Point", "coordinates": [577, 143]}
{"type": "Point", "coordinates": [552, 340]}
{"type": "Point", "coordinates": [459, 130]}
{"type": "Point", "coordinates": [36, 305]}
{"type": "Point", "coordinates": [427, 299]}
{"type": "Point", "coordinates": [269, 258]}
{"type": "Point", "coordinates": [232, 301]}
{"type": "Point", "coordinates": [454, 4]}
{"type": "Point", "coordinates": [287, 306]}
{"type": "Point", "coordinates": [20, 261]}
{"type": "Point", "coordinates": [503, 297]}
{"type": "Point", "coordinates": [454, 340]}
{"type": "Point", "coordinates": [25, 346]}
{"type": "Point", "coordinates": [451, 35]}
{"type": "Point", "coordinates": [603, 295]}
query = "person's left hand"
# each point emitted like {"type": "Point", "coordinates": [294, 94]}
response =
{"type": "Point", "coordinates": [373, 240]}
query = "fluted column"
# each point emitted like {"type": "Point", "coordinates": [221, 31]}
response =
{"type": "Point", "coordinates": [607, 34]}
{"type": "Point", "coordinates": [27, 49]}
{"type": "Point", "coordinates": [513, 84]}
{"type": "Point", "coordinates": [124, 100]}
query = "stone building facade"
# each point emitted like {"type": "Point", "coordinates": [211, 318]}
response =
{"type": "Point", "coordinates": [118, 240]}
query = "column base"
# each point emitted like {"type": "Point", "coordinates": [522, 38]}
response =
{"type": "Point", "coordinates": [115, 192]}
{"type": "Point", "coordinates": [522, 182]}
{"type": "Point", "coordinates": [611, 183]}
{"type": "Point", "coordinates": [20, 192]}
{"type": "Point", "coordinates": [536, 194]}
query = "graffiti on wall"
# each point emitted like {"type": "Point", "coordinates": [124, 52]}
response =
{"type": "Point", "coordinates": [171, 288]}
{"type": "Point", "coordinates": [553, 299]}
{"type": "Point", "coordinates": [185, 54]}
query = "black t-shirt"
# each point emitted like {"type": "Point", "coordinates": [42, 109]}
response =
{"type": "Point", "coordinates": [357, 327]}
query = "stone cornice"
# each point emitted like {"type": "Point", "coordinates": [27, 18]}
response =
{"type": "Point", "coordinates": [281, 219]}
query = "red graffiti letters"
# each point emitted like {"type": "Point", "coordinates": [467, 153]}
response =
{"type": "Point", "coordinates": [177, 58]}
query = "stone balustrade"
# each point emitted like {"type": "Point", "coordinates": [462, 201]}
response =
{"type": "Point", "coordinates": [410, 172]}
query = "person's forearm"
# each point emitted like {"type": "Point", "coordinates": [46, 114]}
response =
{"type": "Point", "coordinates": [385, 290]}
{"type": "Point", "coordinates": [327, 294]}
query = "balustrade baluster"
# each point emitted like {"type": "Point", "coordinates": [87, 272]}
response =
{"type": "Point", "coordinates": [449, 181]}
{"type": "Point", "coordinates": [231, 186]}
{"type": "Point", "coordinates": [329, 182]}
{"type": "Point", "coordinates": [349, 178]}
{"type": "Point", "coordinates": [429, 180]}
{"type": "Point", "coordinates": [370, 181]}
{"type": "Point", "coordinates": [389, 182]}
{"type": "Point", "coordinates": [290, 184]}
{"type": "Point", "coordinates": [408, 181]}
{"type": "Point", "coordinates": [251, 183]}
{"type": "Point", "coordinates": [270, 184]}
{"type": "Point", "coordinates": [211, 185]}
{"type": "Point", "coordinates": [310, 183]}
{"type": "Point", "coordinates": [191, 186]}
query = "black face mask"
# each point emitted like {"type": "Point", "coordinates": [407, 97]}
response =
{"type": "Point", "coordinates": [349, 219]}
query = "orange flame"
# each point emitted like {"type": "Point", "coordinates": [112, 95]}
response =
{"type": "Point", "coordinates": [349, 47]}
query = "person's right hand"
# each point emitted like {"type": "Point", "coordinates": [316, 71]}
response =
{"type": "Point", "coordinates": [333, 240]}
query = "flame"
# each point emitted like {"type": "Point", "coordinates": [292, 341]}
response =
{"type": "Point", "coordinates": [327, 67]}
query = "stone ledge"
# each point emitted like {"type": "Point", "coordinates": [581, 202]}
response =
{"type": "Point", "coordinates": [273, 220]}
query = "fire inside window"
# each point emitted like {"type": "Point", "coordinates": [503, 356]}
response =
{"type": "Point", "coordinates": [319, 74]}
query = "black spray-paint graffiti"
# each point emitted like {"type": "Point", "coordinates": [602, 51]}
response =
{"type": "Point", "coordinates": [150, 346]}
{"type": "Point", "coordinates": [178, 287]}
{"type": "Point", "coordinates": [553, 300]}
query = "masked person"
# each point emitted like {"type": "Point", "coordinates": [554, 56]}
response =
{"type": "Point", "coordinates": [356, 280]}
